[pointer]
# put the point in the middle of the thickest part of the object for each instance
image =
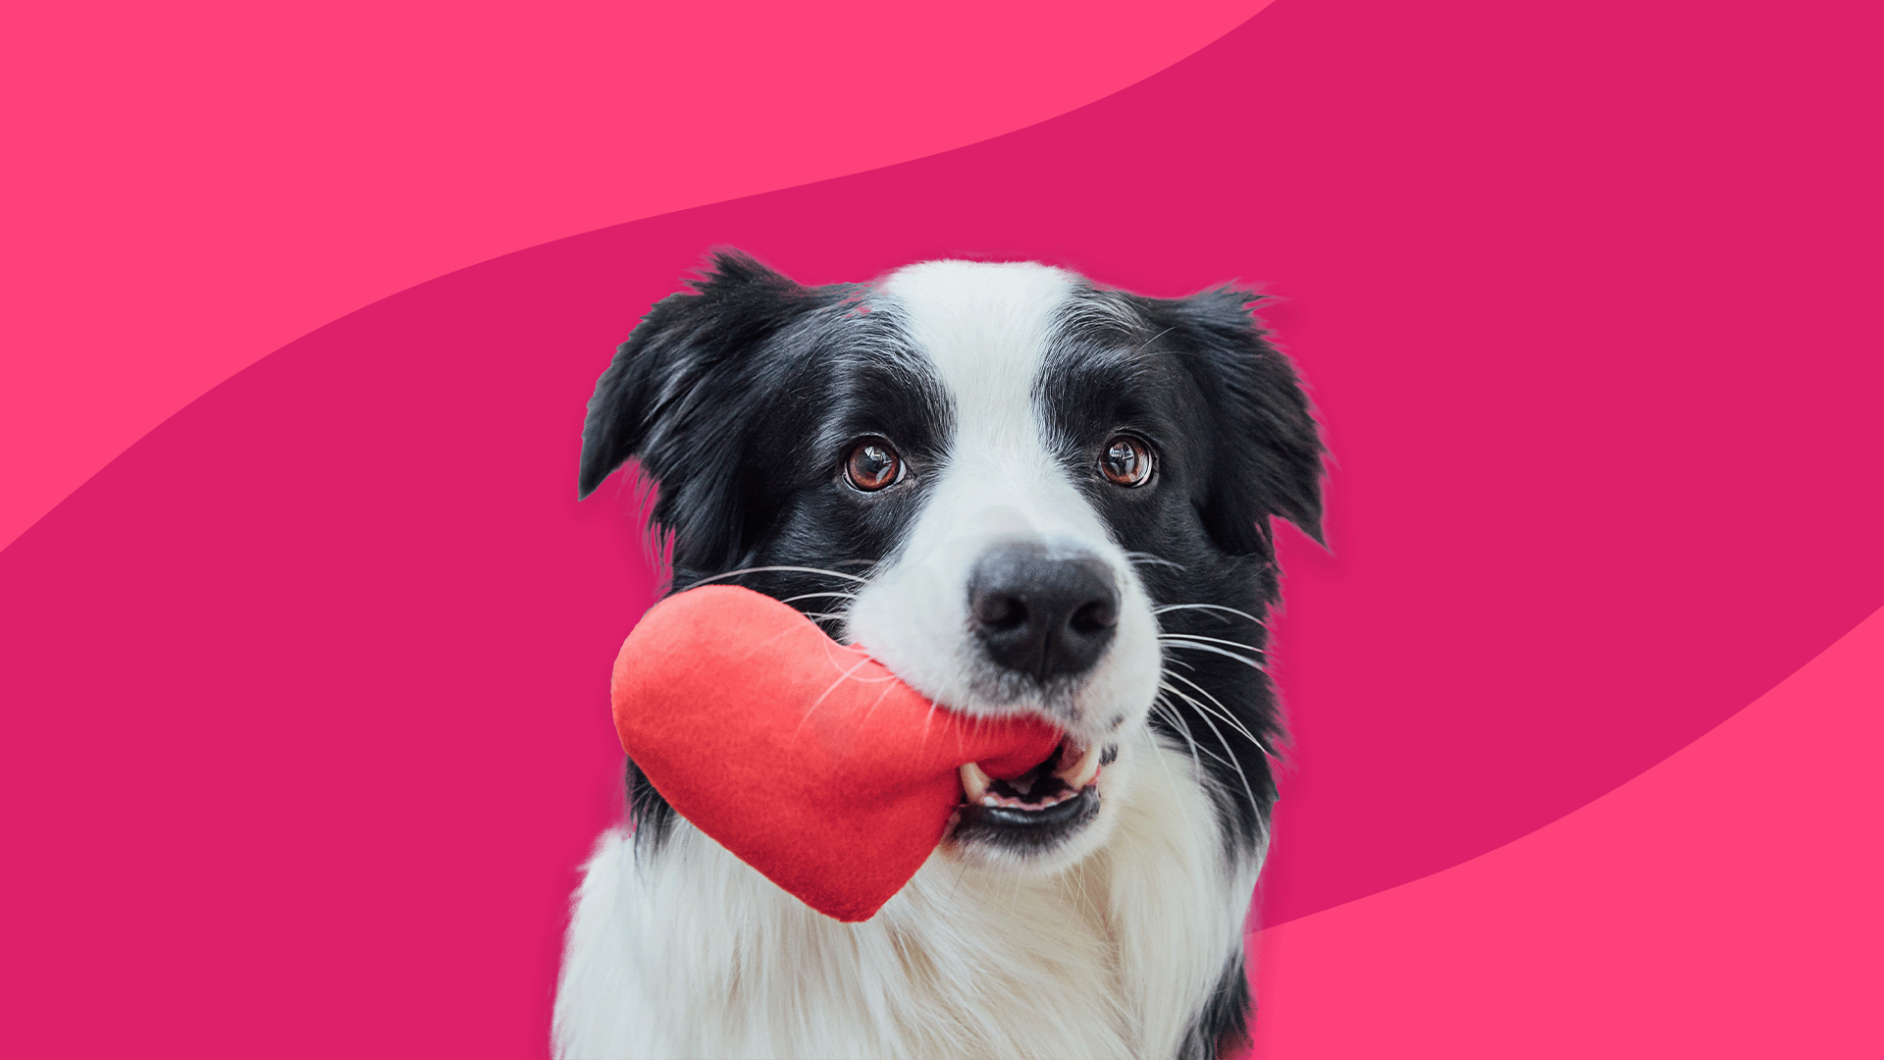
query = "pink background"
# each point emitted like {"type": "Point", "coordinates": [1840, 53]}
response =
{"type": "Point", "coordinates": [307, 680]}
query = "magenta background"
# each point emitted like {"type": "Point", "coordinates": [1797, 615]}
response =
{"type": "Point", "coordinates": [1686, 913]}
{"type": "Point", "coordinates": [311, 725]}
{"type": "Point", "coordinates": [220, 178]}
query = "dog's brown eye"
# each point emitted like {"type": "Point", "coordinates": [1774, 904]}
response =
{"type": "Point", "coordinates": [1126, 461]}
{"type": "Point", "coordinates": [873, 465]}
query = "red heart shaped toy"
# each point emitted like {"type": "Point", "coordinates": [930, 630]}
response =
{"type": "Point", "coordinates": [807, 759]}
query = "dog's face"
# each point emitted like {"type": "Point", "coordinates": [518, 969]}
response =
{"type": "Point", "coordinates": [1022, 493]}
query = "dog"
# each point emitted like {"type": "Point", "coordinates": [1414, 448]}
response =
{"type": "Point", "coordinates": [1025, 493]}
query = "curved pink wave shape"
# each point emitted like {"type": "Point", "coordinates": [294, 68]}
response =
{"type": "Point", "coordinates": [315, 727]}
{"type": "Point", "coordinates": [1722, 904]}
{"type": "Point", "coordinates": [195, 185]}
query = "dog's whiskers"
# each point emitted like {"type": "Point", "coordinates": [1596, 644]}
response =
{"type": "Point", "coordinates": [1169, 712]}
{"type": "Point", "coordinates": [1209, 607]}
{"type": "Point", "coordinates": [843, 677]}
{"type": "Point", "coordinates": [1252, 649]}
{"type": "Point", "coordinates": [1221, 711]}
{"type": "Point", "coordinates": [1221, 739]}
{"type": "Point", "coordinates": [808, 596]}
{"type": "Point", "coordinates": [795, 570]}
{"type": "Point", "coordinates": [1179, 641]}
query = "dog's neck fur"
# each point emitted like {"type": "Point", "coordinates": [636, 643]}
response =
{"type": "Point", "coordinates": [1108, 959]}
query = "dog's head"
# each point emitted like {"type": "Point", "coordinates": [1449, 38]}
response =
{"type": "Point", "coordinates": [1020, 491]}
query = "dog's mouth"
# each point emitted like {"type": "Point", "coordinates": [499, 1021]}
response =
{"type": "Point", "coordinates": [1038, 809]}
{"type": "Point", "coordinates": [1062, 776]}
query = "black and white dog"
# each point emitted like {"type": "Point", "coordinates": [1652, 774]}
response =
{"type": "Point", "coordinates": [1025, 493]}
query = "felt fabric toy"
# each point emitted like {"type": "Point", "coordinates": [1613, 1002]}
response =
{"type": "Point", "coordinates": [804, 757]}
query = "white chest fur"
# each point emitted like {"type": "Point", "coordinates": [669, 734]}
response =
{"type": "Point", "coordinates": [694, 954]}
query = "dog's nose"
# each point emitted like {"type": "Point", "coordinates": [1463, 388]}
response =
{"type": "Point", "coordinates": [1042, 614]}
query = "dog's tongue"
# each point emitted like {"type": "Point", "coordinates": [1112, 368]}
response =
{"type": "Point", "coordinates": [807, 759]}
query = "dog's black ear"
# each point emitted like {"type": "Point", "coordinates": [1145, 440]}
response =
{"type": "Point", "coordinates": [653, 390]}
{"type": "Point", "coordinates": [1267, 456]}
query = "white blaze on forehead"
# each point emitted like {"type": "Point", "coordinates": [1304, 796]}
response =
{"type": "Point", "coordinates": [986, 328]}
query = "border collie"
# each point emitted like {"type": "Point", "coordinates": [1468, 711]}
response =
{"type": "Point", "coordinates": [1025, 493]}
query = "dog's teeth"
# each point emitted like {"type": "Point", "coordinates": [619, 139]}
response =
{"type": "Point", "coordinates": [1080, 773]}
{"type": "Point", "coordinates": [974, 782]}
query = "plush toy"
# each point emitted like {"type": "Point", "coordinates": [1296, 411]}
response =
{"type": "Point", "coordinates": [807, 759]}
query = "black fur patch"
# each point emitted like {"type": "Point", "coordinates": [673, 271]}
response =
{"type": "Point", "coordinates": [1222, 1024]}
